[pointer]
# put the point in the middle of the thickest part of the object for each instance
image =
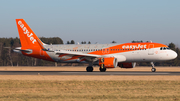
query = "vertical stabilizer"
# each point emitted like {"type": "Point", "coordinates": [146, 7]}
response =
{"type": "Point", "coordinates": [27, 37]}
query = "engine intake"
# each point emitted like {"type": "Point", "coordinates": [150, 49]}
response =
{"type": "Point", "coordinates": [109, 62]}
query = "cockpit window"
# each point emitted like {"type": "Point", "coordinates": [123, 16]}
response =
{"type": "Point", "coordinates": [164, 48]}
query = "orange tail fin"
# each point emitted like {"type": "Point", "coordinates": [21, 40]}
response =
{"type": "Point", "coordinates": [27, 37]}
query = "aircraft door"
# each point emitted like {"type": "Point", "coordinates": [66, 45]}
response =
{"type": "Point", "coordinates": [151, 49]}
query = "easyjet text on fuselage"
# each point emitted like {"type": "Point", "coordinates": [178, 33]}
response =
{"type": "Point", "coordinates": [134, 46]}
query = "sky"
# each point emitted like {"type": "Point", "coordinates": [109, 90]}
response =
{"type": "Point", "coordinates": [98, 21]}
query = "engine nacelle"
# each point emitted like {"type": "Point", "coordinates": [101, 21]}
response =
{"type": "Point", "coordinates": [126, 65]}
{"type": "Point", "coordinates": [108, 62]}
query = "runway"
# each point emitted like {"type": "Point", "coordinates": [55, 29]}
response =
{"type": "Point", "coordinates": [87, 73]}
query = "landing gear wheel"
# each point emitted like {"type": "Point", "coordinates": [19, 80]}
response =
{"type": "Point", "coordinates": [153, 69]}
{"type": "Point", "coordinates": [89, 69]}
{"type": "Point", "coordinates": [102, 69]}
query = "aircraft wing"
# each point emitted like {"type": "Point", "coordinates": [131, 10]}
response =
{"type": "Point", "coordinates": [88, 57]}
{"type": "Point", "coordinates": [77, 54]}
{"type": "Point", "coordinates": [74, 55]}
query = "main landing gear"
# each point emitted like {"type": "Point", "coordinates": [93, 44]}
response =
{"type": "Point", "coordinates": [89, 69]}
{"type": "Point", "coordinates": [153, 69]}
{"type": "Point", "coordinates": [102, 68]}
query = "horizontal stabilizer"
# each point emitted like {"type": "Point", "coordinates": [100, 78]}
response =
{"type": "Point", "coordinates": [22, 50]}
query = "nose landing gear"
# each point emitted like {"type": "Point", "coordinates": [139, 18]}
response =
{"type": "Point", "coordinates": [153, 69]}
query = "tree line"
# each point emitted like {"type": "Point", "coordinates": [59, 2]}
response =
{"type": "Point", "coordinates": [10, 58]}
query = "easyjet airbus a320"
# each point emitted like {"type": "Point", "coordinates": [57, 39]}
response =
{"type": "Point", "coordinates": [105, 55]}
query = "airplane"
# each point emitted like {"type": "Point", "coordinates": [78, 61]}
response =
{"type": "Point", "coordinates": [104, 55]}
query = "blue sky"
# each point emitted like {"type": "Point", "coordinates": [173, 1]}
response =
{"type": "Point", "coordinates": [99, 21]}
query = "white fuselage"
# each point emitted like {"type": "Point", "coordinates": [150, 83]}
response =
{"type": "Point", "coordinates": [141, 55]}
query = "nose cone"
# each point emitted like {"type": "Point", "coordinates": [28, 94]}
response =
{"type": "Point", "coordinates": [173, 54]}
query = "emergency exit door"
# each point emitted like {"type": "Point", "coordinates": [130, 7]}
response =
{"type": "Point", "coordinates": [151, 49]}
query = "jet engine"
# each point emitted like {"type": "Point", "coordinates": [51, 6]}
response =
{"type": "Point", "coordinates": [108, 62]}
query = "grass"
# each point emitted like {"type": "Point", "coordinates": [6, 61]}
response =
{"type": "Point", "coordinates": [88, 88]}
{"type": "Point", "coordinates": [45, 90]}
